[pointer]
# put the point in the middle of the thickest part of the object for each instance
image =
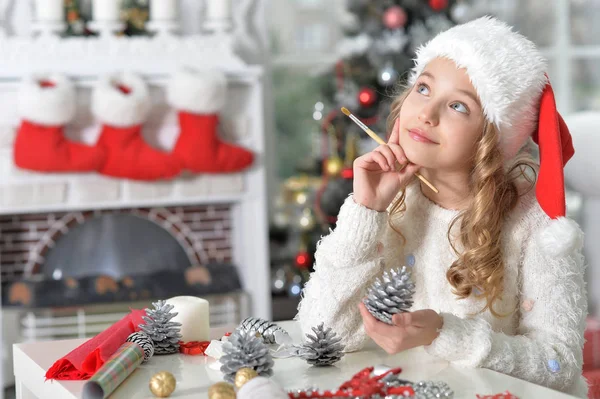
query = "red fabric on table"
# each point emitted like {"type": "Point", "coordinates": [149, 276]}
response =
{"type": "Point", "coordinates": [82, 362]}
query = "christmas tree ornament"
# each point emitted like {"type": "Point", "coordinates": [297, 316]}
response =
{"type": "Point", "coordinates": [461, 12]}
{"type": "Point", "coordinates": [307, 220]}
{"type": "Point", "coordinates": [302, 260]}
{"type": "Point", "coordinates": [270, 332]}
{"type": "Point", "coordinates": [295, 287]}
{"type": "Point", "coordinates": [221, 390]}
{"type": "Point", "coordinates": [394, 17]}
{"type": "Point", "coordinates": [243, 375]}
{"type": "Point", "coordinates": [199, 97]}
{"type": "Point", "coordinates": [301, 197]}
{"type": "Point", "coordinates": [162, 384]}
{"type": "Point", "coordinates": [121, 102]}
{"type": "Point", "coordinates": [334, 166]}
{"type": "Point", "coordinates": [278, 281]}
{"type": "Point", "coordinates": [164, 333]}
{"type": "Point", "coordinates": [323, 348]}
{"type": "Point", "coordinates": [438, 5]}
{"type": "Point", "coordinates": [245, 350]}
{"type": "Point", "coordinates": [367, 97]}
{"type": "Point", "coordinates": [46, 103]}
{"type": "Point", "coordinates": [387, 75]}
{"type": "Point", "coordinates": [261, 388]}
{"type": "Point", "coordinates": [144, 341]}
{"type": "Point", "coordinates": [390, 294]}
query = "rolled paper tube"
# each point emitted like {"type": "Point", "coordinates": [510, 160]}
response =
{"type": "Point", "coordinates": [120, 365]}
{"type": "Point", "coordinates": [193, 314]}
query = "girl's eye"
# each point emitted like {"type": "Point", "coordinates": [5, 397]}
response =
{"type": "Point", "coordinates": [460, 107]}
{"type": "Point", "coordinates": [422, 89]}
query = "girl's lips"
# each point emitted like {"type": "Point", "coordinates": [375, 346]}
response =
{"type": "Point", "coordinates": [417, 137]}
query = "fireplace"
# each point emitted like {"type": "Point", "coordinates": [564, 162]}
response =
{"type": "Point", "coordinates": [56, 259]}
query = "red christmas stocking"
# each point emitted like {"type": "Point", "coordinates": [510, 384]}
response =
{"type": "Point", "coordinates": [199, 97]}
{"type": "Point", "coordinates": [46, 104]}
{"type": "Point", "coordinates": [121, 103]}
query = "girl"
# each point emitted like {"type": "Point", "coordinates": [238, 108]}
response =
{"type": "Point", "coordinates": [498, 269]}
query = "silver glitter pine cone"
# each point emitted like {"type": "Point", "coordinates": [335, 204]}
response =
{"type": "Point", "coordinates": [165, 334]}
{"type": "Point", "coordinates": [390, 294]}
{"type": "Point", "coordinates": [244, 349]}
{"type": "Point", "coordinates": [323, 348]}
{"type": "Point", "coordinates": [264, 327]}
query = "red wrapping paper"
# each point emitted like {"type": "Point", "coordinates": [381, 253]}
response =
{"type": "Point", "coordinates": [82, 362]}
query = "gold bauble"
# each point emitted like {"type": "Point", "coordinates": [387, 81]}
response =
{"type": "Point", "coordinates": [244, 375]}
{"type": "Point", "coordinates": [221, 390]}
{"type": "Point", "coordinates": [162, 384]}
{"type": "Point", "coordinates": [334, 166]}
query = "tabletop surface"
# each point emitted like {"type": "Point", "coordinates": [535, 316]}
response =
{"type": "Point", "coordinates": [195, 375]}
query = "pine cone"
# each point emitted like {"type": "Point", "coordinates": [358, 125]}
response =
{"type": "Point", "coordinates": [323, 348]}
{"type": "Point", "coordinates": [165, 334]}
{"type": "Point", "coordinates": [266, 329]}
{"type": "Point", "coordinates": [393, 294]}
{"type": "Point", "coordinates": [243, 349]}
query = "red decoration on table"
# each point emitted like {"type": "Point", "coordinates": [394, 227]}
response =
{"type": "Point", "coordinates": [82, 362]}
{"type": "Point", "coordinates": [193, 347]}
{"type": "Point", "coordinates": [504, 395]}
{"type": "Point", "coordinates": [367, 97]}
{"type": "Point", "coordinates": [362, 384]}
{"type": "Point", "coordinates": [438, 5]}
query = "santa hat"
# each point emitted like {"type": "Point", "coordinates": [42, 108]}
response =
{"type": "Point", "coordinates": [509, 74]}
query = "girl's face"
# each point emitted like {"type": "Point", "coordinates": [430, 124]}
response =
{"type": "Point", "coordinates": [441, 120]}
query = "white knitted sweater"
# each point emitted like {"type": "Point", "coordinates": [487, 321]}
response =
{"type": "Point", "coordinates": [542, 341]}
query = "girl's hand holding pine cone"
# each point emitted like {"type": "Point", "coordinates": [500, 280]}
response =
{"type": "Point", "coordinates": [380, 174]}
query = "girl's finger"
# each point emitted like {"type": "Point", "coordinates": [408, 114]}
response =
{"type": "Point", "coordinates": [381, 160]}
{"type": "Point", "coordinates": [388, 154]}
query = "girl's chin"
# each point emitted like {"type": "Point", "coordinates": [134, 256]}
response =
{"type": "Point", "coordinates": [419, 157]}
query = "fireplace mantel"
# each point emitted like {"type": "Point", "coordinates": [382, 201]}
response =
{"type": "Point", "coordinates": [84, 61]}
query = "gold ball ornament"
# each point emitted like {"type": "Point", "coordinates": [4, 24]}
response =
{"type": "Point", "coordinates": [162, 384]}
{"type": "Point", "coordinates": [334, 166]}
{"type": "Point", "coordinates": [221, 390]}
{"type": "Point", "coordinates": [244, 375]}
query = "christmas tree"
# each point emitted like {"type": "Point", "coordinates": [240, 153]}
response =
{"type": "Point", "coordinates": [375, 57]}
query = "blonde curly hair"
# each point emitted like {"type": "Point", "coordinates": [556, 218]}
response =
{"type": "Point", "coordinates": [479, 268]}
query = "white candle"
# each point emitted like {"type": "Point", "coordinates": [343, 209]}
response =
{"type": "Point", "coordinates": [218, 9]}
{"type": "Point", "coordinates": [193, 314]}
{"type": "Point", "coordinates": [161, 10]}
{"type": "Point", "coordinates": [50, 10]}
{"type": "Point", "coordinates": [106, 10]}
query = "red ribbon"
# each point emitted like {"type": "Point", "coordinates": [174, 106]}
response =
{"type": "Point", "coordinates": [504, 395]}
{"type": "Point", "coordinates": [193, 347]}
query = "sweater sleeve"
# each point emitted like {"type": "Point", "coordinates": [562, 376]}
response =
{"type": "Point", "coordinates": [346, 261]}
{"type": "Point", "coordinates": [548, 347]}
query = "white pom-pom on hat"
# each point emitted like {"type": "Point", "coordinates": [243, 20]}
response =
{"type": "Point", "coordinates": [47, 99]}
{"type": "Point", "coordinates": [561, 237]}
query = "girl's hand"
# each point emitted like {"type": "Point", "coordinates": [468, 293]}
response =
{"type": "Point", "coordinates": [409, 330]}
{"type": "Point", "coordinates": [380, 174]}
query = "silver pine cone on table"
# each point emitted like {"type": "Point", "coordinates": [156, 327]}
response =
{"type": "Point", "coordinates": [165, 334]}
{"type": "Point", "coordinates": [323, 348]}
{"type": "Point", "coordinates": [244, 349]}
{"type": "Point", "coordinates": [269, 331]}
{"type": "Point", "coordinates": [391, 294]}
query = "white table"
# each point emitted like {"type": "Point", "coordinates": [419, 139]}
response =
{"type": "Point", "coordinates": [194, 376]}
